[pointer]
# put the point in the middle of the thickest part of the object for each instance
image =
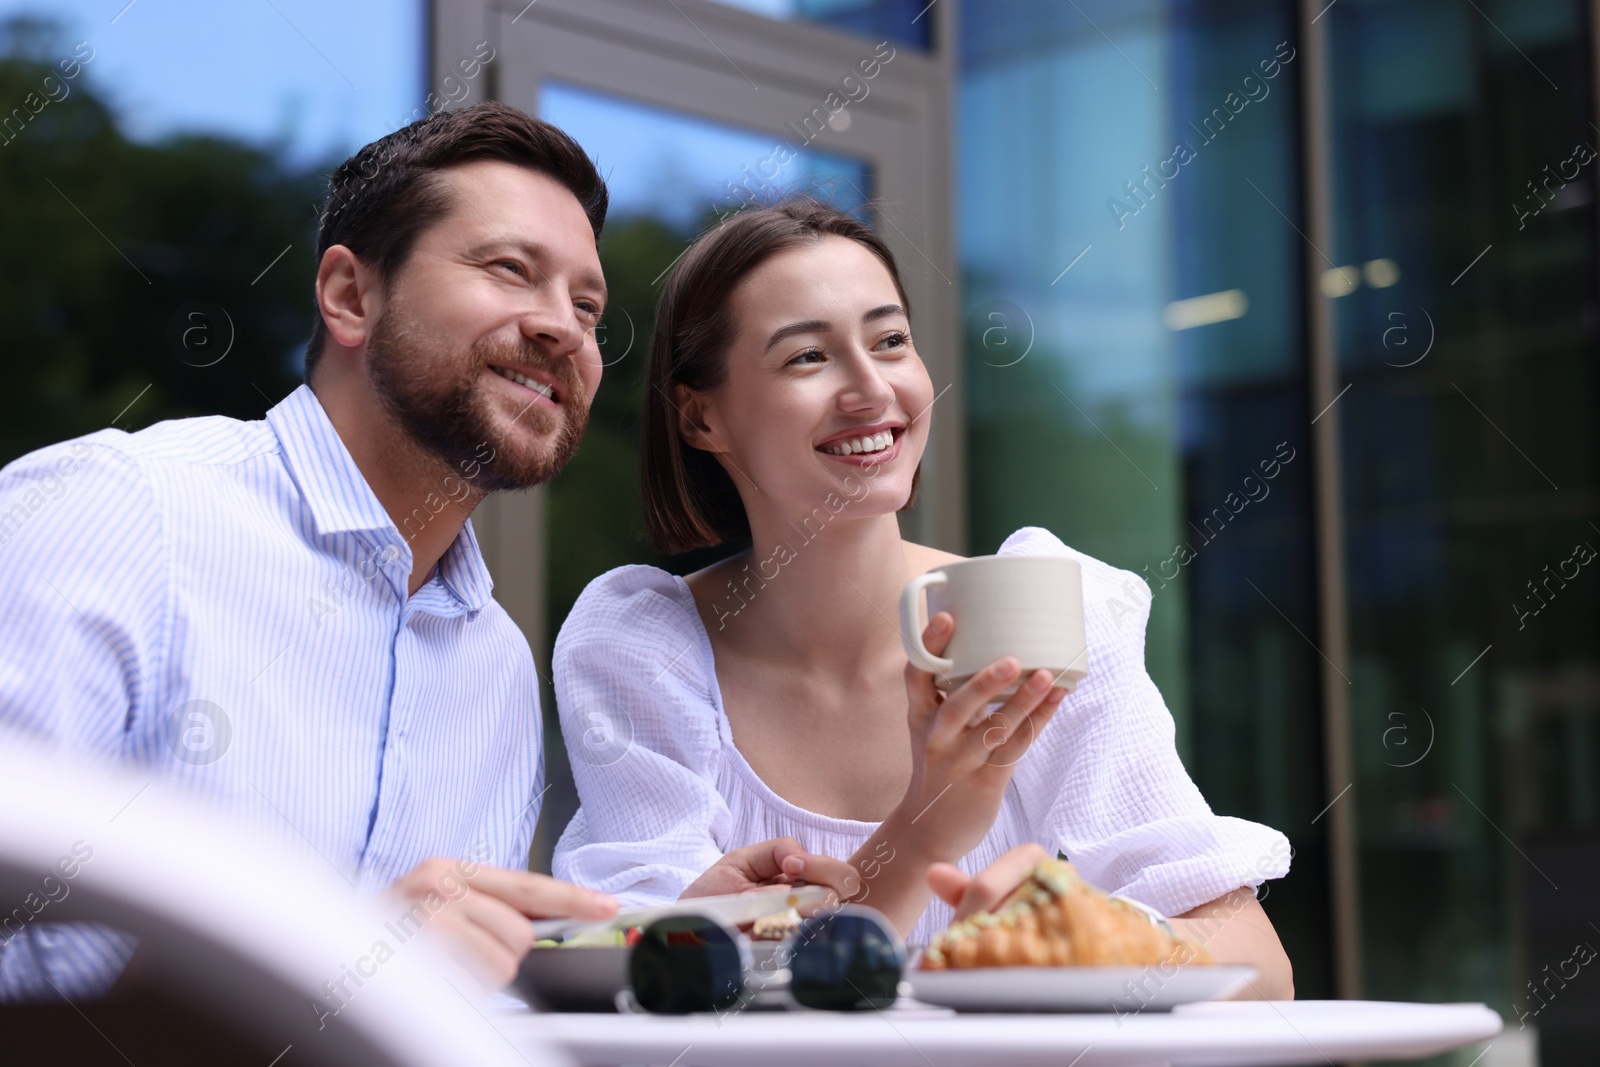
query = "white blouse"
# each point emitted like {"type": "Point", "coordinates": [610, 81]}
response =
{"type": "Point", "coordinates": [665, 793]}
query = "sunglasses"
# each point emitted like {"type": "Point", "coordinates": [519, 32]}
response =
{"type": "Point", "coordinates": [845, 959]}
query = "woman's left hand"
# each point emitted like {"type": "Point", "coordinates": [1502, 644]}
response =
{"type": "Point", "coordinates": [778, 862]}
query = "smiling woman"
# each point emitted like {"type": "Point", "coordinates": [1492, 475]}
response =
{"type": "Point", "coordinates": [788, 405]}
{"type": "Point", "coordinates": [691, 499]}
{"type": "Point", "coordinates": [873, 459]}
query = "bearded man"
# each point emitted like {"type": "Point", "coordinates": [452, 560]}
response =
{"type": "Point", "coordinates": [290, 618]}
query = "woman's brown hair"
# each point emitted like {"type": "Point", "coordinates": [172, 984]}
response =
{"type": "Point", "coordinates": [689, 500]}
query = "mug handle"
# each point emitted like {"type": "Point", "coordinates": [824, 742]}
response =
{"type": "Point", "coordinates": [911, 629]}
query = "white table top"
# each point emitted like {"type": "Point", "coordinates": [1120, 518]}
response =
{"type": "Point", "coordinates": [1198, 1035]}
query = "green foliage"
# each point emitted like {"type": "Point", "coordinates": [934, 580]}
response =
{"type": "Point", "coordinates": [109, 243]}
{"type": "Point", "coordinates": [596, 518]}
{"type": "Point", "coordinates": [596, 515]}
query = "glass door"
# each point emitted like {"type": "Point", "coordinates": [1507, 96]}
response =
{"type": "Point", "coordinates": [693, 109]}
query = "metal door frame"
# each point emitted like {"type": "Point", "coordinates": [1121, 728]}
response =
{"type": "Point", "coordinates": [730, 66]}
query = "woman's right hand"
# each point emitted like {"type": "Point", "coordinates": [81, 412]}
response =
{"type": "Point", "coordinates": [970, 894]}
{"type": "Point", "coordinates": [960, 767]}
{"type": "Point", "coordinates": [961, 758]}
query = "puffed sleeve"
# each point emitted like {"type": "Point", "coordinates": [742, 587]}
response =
{"type": "Point", "coordinates": [1104, 779]}
{"type": "Point", "coordinates": [637, 713]}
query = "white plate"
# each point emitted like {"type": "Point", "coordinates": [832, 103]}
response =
{"type": "Point", "coordinates": [1077, 989]}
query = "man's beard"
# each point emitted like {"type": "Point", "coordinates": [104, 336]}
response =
{"type": "Point", "coordinates": [439, 399]}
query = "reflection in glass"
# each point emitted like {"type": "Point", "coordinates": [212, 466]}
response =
{"type": "Point", "coordinates": [902, 21]}
{"type": "Point", "coordinates": [1464, 189]}
{"type": "Point", "coordinates": [681, 170]}
{"type": "Point", "coordinates": [1135, 368]}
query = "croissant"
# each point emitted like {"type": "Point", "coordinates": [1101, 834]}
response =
{"type": "Point", "coordinates": [1055, 918]}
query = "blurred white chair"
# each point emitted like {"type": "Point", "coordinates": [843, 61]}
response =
{"type": "Point", "coordinates": [237, 930]}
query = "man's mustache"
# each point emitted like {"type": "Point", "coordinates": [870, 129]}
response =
{"type": "Point", "coordinates": [533, 357]}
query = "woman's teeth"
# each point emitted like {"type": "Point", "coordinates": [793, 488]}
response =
{"type": "Point", "coordinates": [854, 446]}
{"type": "Point", "coordinates": [522, 379]}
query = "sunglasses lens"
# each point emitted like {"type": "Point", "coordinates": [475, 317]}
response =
{"type": "Point", "coordinates": [685, 964]}
{"type": "Point", "coordinates": [845, 962]}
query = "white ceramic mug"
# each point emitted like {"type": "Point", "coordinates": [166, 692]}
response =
{"type": "Point", "coordinates": [1030, 607]}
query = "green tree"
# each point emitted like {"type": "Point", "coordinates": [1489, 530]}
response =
{"type": "Point", "coordinates": [130, 265]}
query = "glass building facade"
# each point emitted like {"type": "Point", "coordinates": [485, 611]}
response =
{"type": "Point", "coordinates": [1461, 144]}
{"type": "Point", "coordinates": [1173, 217]}
{"type": "Point", "coordinates": [903, 21]}
{"type": "Point", "coordinates": [1136, 365]}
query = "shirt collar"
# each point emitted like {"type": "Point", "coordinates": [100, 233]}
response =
{"type": "Point", "coordinates": [341, 501]}
{"type": "Point", "coordinates": [463, 571]}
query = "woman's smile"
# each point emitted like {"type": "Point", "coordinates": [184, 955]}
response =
{"type": "Point", "coordinates": [870, 446]}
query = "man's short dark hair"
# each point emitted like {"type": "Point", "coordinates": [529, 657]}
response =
{"type": "Point", "coordinates": [383, 197]}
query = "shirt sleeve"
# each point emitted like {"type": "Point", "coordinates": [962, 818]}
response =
{"type": "Point", "coordinates": [84, 568]}
{"type": "Point", "coordinates": [1119, 802]}
{"type": "Point", "coordinates": [83, 561]}
{"type": "Point", "coordinates": [641, 732]}
{"type": "Point", "coordinates": [51, 961]}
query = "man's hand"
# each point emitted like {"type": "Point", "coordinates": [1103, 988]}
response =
{"type": "Point", "coordinates": [780, 861]}
{"type": "Point", "coordinates": [483, 912]}
{"type": "Point", "coordinates": [969, 895]}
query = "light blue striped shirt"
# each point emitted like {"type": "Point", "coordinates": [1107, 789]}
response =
{"type": "Point", "coordinates": [225, 603]}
